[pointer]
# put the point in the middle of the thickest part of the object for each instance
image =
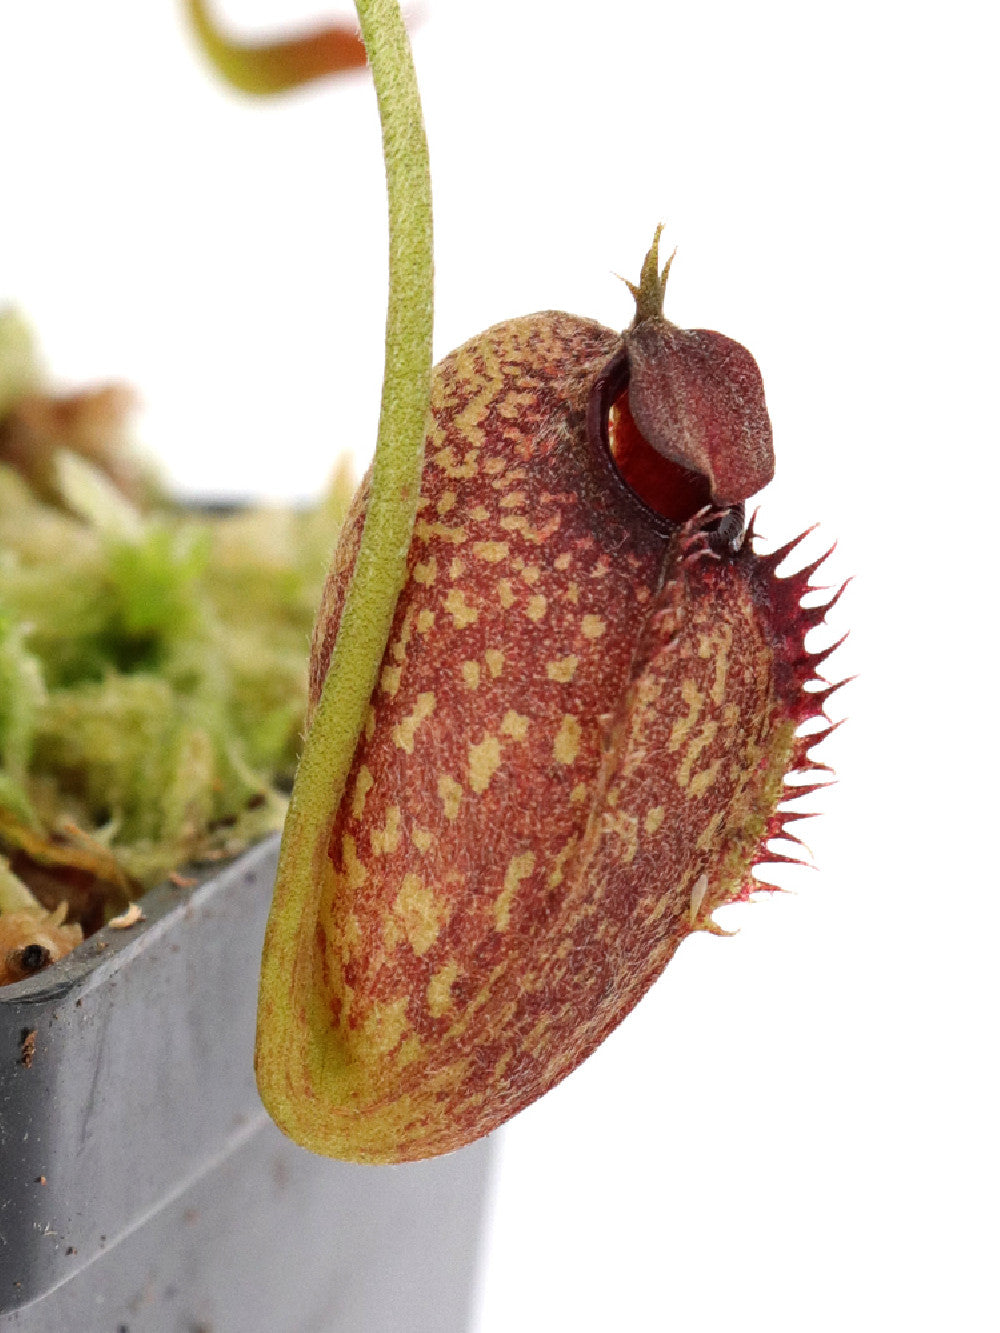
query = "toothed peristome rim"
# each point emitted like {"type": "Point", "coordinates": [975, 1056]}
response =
{"type": "Point", "coordinates": [785, 595]}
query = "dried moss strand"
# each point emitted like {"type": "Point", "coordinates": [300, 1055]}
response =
{"type": "Point", "coordinates": [289, 1051]}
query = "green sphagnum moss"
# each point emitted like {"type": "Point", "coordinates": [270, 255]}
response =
{"type": "Point", "coordinates": [152, 667]}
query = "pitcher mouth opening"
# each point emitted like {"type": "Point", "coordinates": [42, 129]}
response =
{"type": "Point", "coordinates": [666, 494]}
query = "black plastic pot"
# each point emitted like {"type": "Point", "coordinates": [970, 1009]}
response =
{"type": "Point", "coordinates": [142, 1186]}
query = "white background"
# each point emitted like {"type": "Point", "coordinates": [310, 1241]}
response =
{"type": "Point", "coordinates": [797, 1129]}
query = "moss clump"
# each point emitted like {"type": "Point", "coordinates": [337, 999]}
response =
{"type": "Point", "coordinates": [153, 663]}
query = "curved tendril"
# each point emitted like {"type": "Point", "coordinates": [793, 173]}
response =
{"type": "Point", "coordinates": [264, 68]}
{"type": "Point", "coordinates": [299, 1062]}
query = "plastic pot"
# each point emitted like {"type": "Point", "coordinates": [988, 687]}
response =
{"type": "Point", "coordinates": [142, 1186]}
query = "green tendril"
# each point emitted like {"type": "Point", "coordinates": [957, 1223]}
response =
{"type": "Point", "coordinates": [292, 1052]}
